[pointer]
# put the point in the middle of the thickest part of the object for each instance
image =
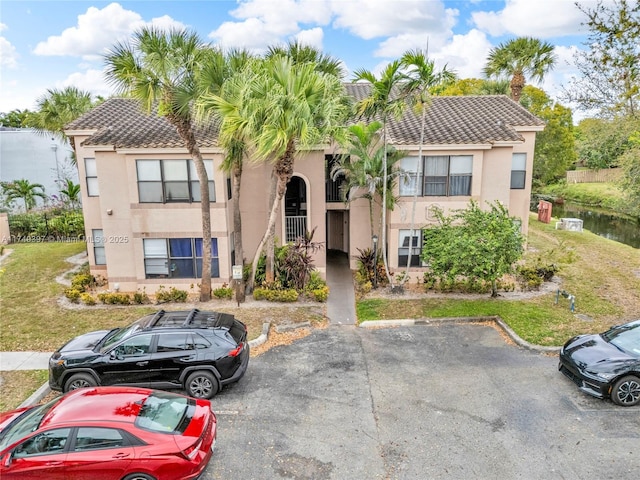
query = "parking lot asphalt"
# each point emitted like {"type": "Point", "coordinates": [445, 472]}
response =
{"type": "Point", "coordinates": [451, 401]}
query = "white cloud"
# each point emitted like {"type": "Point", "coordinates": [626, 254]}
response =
{"type": "Point", "coordinates": [252, 34]}
{"type": "Point", "coordinates": [8, 54]}
{"type": "Point", "coordinates": [381, 18]}
{"type": "Point", "coordinates": [91, 80]}
{"type": "Point", "coordinates": [264, 22]}
{"type": "Point", "coordinates": [98, 29]}
{"type": "Point", "coordinates": [540, 19]}
{"type": "Point", "coordinates": [312, 37]}
{"type": "Point", "coordinates": [465, 54]}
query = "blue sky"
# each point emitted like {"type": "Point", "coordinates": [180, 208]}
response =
{"type": "Point", "coordinates": [54, 43]}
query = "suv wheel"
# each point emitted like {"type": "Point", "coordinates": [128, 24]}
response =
{"type": "Point", "coordinates": [201, 384]}
{"type": "Point", "coordinates": [79, 380]}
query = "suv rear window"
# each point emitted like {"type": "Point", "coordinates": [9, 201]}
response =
{"type": "Point", "coordinates": [165, 413]}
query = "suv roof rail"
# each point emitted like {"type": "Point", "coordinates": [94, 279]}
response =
{"type": "Point", "coordinates": [192, 314]}
{"type": "Point", "coordinates": [156, 318]}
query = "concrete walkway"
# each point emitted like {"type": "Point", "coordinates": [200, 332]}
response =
{"type": "Point", "coordinates": [24, 361]}
{"type": "Point", "coordinates": [341, 304]}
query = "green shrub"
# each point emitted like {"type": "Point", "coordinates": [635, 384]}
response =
{"type": "Point", "coordinates": [320, 294]}
{"type": "Point", "coordinates": [223, 292]}
{"type": "Point", "coordinates": [114, 298]}
{"type": "Point", "coordinates": [87, 298]}
{"type": "Point", "coordinates": [316, 288]}
{"type": "Point", "coordinates": [528, 277]}
{"type": "Point", "coordinates": [1, 249]}
{"type": "Point", "coordinates": [81, 281]}
{"type": "Point", "coordinates": [171, 295]}
{"type": "Point", "coordinates": [73, 294]}
{"type": "Point", "coordinates": [141, 297]}
{"type": "Point", "coordinates": [289, 295]}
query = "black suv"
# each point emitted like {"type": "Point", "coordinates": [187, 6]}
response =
{"type": "Point", "coordinates": [191, 350]}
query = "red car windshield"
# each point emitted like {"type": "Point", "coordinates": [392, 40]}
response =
{"type": "Point", "coordinates": [165, 412]}
{"type": "Point", "coordinates": [26, 423]}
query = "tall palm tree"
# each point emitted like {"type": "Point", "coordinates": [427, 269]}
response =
{"type": "Point", "coordinates": [518, 58]}
{"type": "Point", "coordinates": [422, 80]}
{"type": "Point", "coordinates": [363, 167]}
{"type": "Point", "coordinates": [299, 54]}
{"type": "Point", "coordinates": [280, 108]}
{"type": "Point", "coordinates": [225, 80]}
{"type": "Point", "coordinates": [166, 68]}
{"type": "Point", "coordinates": [24, 190]}
{"type": "Point", "coordinates": [383, 101]}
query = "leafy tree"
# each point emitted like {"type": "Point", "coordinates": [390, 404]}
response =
{"type": "Point", "coordinates": [423, 80]}
{"type": "Point", "coordinates": [630, 164]}
{"type": "Point", "coordinates": [609, 80]}
{"type": "Point", "coordinates": [518, 58]}
{"type": "Point", "coordinates": [167, 69]}
{"type": "Point", "coordinates": [23, 190]}
{"type": "Point", "coordinates": [384, 100]}
{"type": "Point", "coordinates": [601, 142]}
{"type": "Point", "coordinates": [363, 167]}
{"type": "Point", "coordinates": [555, 150]}
{"type": "Point", "coordinates": [476, 86]}
{"type": "Point", "coordinates": [16, 118]}
{"type": "Point", "coordinates": [474, 243]}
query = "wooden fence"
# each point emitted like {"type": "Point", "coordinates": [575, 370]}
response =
{"type": "Point", "coordinates": [594, 176]}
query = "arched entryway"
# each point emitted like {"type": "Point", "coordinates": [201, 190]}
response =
{"type": "Point", "coordinates": [295, 209]}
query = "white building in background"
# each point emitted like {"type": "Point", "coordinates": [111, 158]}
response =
{"type": "Point", "coordinates": [38, 158]}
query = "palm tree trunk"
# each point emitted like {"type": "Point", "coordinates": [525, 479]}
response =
{"type": "Point", "coordinates": [187, 135]}
{"type": "Point", "coordinates": [270, 250]}
{"type": "Point", "coordinates": [415, 194]}
{"type": "Point", "coordinates": [237, 229]}
{"type": "Point", "coordinates": [283, 170]}
{"type": "Point", "coordinates": [383, 241]}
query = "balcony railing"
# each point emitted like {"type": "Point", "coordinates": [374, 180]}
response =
{"type": "Point", "coordinates": [334, 190]}
{"type": "Point", "coordinates": [296, 226]}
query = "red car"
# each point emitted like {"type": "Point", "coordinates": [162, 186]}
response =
{"type": "Point", "coordinates": [109, 433]}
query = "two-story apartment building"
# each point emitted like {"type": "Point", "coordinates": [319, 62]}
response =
{"type": "Point", "coordinates": [141, 195]}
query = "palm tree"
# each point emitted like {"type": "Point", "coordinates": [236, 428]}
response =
{"type": "Point", "coordinates": [56, 108]}
{"type": "Point", "coordinates": [383, 100]}
{"type": "Point", "coordinates": [224, 79]}
{"type": "Point", "coordinates": [422, 80]}
{"type": "Point", "coordinates": [72, 192]}
{"type": "Point", "coordinates": [25, 191]}
{"type": "Point", "coordinates": [166, 68]}
{"type": "Point", "coordinates": [363, 167]}
{"type": "Point", "coordinates": [300, 53]}
{"type": "Point", "coordinates": [279, 108]}
{"type": "Point", "coordinates": [519, 57]}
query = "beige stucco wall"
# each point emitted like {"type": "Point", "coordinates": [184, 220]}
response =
{"type": "Point", "coordinates": [126, 222]}
{"type": "Point", "coordinates": [255, 206]}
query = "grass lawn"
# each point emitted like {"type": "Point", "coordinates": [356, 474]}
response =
{"type": "Point", "coordinates": [32, 320]}
{"type": "Point", "coordinates": [603, 275]}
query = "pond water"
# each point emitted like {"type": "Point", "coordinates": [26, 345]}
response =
{"type": "Point", "coordinates": [603, 223]}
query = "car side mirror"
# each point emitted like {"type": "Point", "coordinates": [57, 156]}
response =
{"type": "Point", "coordinates": [7, 459]}
{"type": "Point", "coordinates": [115, 356]}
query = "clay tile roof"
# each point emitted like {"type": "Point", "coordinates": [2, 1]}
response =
{"type": "Point", "coordinates": [458, 120]}
{"type": "Point", "coordinates": [122, 122]}
{"type": "Point", "coordinates": [450, 120]}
